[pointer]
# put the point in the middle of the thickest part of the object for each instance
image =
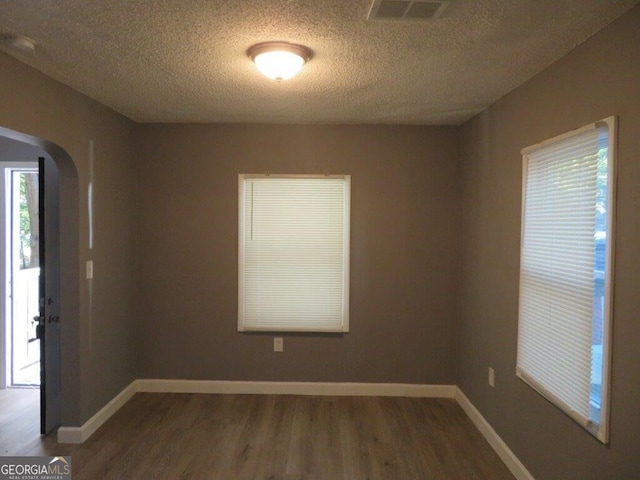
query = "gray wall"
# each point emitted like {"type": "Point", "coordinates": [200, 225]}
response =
{"type": "Point", "coordinates": [97, 328]}
{"type": "Point", "coordinates": [404, 236]}
{"type": "Point", "coordinates": [598, 79]}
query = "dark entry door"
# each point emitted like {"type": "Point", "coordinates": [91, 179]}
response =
{"type": "Point", "coordinates": [49, 320]}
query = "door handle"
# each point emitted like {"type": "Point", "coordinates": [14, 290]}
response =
{"type": "Point", "coordinates": [40, 331]}
{"type": "Point", "coordinates": [51, 318]}
{"type": "Point", "coordinates": [39, 327]}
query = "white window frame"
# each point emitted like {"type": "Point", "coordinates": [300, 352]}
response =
{"type": "Point", "coordinates": [599, 429]}
{"type": "Point", "coordinates": [291, 326]}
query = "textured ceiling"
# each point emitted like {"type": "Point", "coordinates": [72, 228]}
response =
{"type": "Point", "coordinates": [185, 61]}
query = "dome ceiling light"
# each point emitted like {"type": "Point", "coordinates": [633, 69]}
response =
{"type": "Point", "coordinates": [279, 60]}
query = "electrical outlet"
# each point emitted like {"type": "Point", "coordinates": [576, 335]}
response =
{"type": "Point", "coordinates": [492, 379]}
{"type": "Point", "coordinates": [278, 344]}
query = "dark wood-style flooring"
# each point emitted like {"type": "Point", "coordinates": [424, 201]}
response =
{"type": "Point", "coordinates": [228, 437]}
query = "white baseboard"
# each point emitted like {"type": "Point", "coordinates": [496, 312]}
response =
{"type": "Point", "coordinates": [80, 434]}
{"type": "Point", "coordinates": [504, 452]}
{"type": "Point", "coordinates": [297, 388]}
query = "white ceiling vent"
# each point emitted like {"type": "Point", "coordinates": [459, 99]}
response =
{"type": "Point", "coordinates": [405, 9]}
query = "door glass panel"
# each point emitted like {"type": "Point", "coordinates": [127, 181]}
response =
{"type": "Point", "coordinates": [25, 270]}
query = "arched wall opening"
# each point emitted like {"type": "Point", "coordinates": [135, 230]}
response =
{"type": "Point", "coordinates": [69, 270]}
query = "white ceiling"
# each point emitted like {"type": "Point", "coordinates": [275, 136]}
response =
{"type": "Point", "coordinates": [185, 61]}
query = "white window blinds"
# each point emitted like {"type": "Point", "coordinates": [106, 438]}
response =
{"type": "Point", "coordinates": [294, 253]}
{"type": "Point", "coordinates": [558, 268]}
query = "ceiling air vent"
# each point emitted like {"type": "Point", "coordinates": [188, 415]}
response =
{"type": "Point", "coordinates": [405, 9]}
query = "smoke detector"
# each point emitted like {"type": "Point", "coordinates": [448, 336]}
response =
{"type": "Point", "coordinates": [18, 43]}
{"type": "Point", "coordinates": [406, 10]}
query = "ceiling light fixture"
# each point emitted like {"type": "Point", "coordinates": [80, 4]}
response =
{"type": "Point", "coordinates": [279, 60]}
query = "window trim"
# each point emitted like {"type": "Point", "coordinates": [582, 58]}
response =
{"type": "Point", "coordinates": [600, 430]}
{"type": "Point", "coordinates": [346, 254]}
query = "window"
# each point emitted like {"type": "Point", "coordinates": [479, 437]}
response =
{"type": "Point", "coordinates": [566, 272]}
{"type": "Point", "coordinates": [293, 253]}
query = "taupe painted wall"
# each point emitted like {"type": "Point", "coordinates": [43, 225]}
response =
{"type": "Point", "coordinates": [598, 79]}
{"type": "Point", "coordinates": [404, 237]}
{"type": "Point", "coordinates": [97, 328]}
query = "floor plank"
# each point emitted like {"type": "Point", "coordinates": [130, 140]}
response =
{"type": "Point", "coordinates": [269, 437]}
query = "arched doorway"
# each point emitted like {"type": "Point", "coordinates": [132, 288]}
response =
{"type": "Point", "coordinates": [61, 300]}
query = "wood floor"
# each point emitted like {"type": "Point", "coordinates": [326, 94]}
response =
{"type": "Point", "coordinates": [228, 437]}
{"type": "Point", "coordinates": [20, 422]}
